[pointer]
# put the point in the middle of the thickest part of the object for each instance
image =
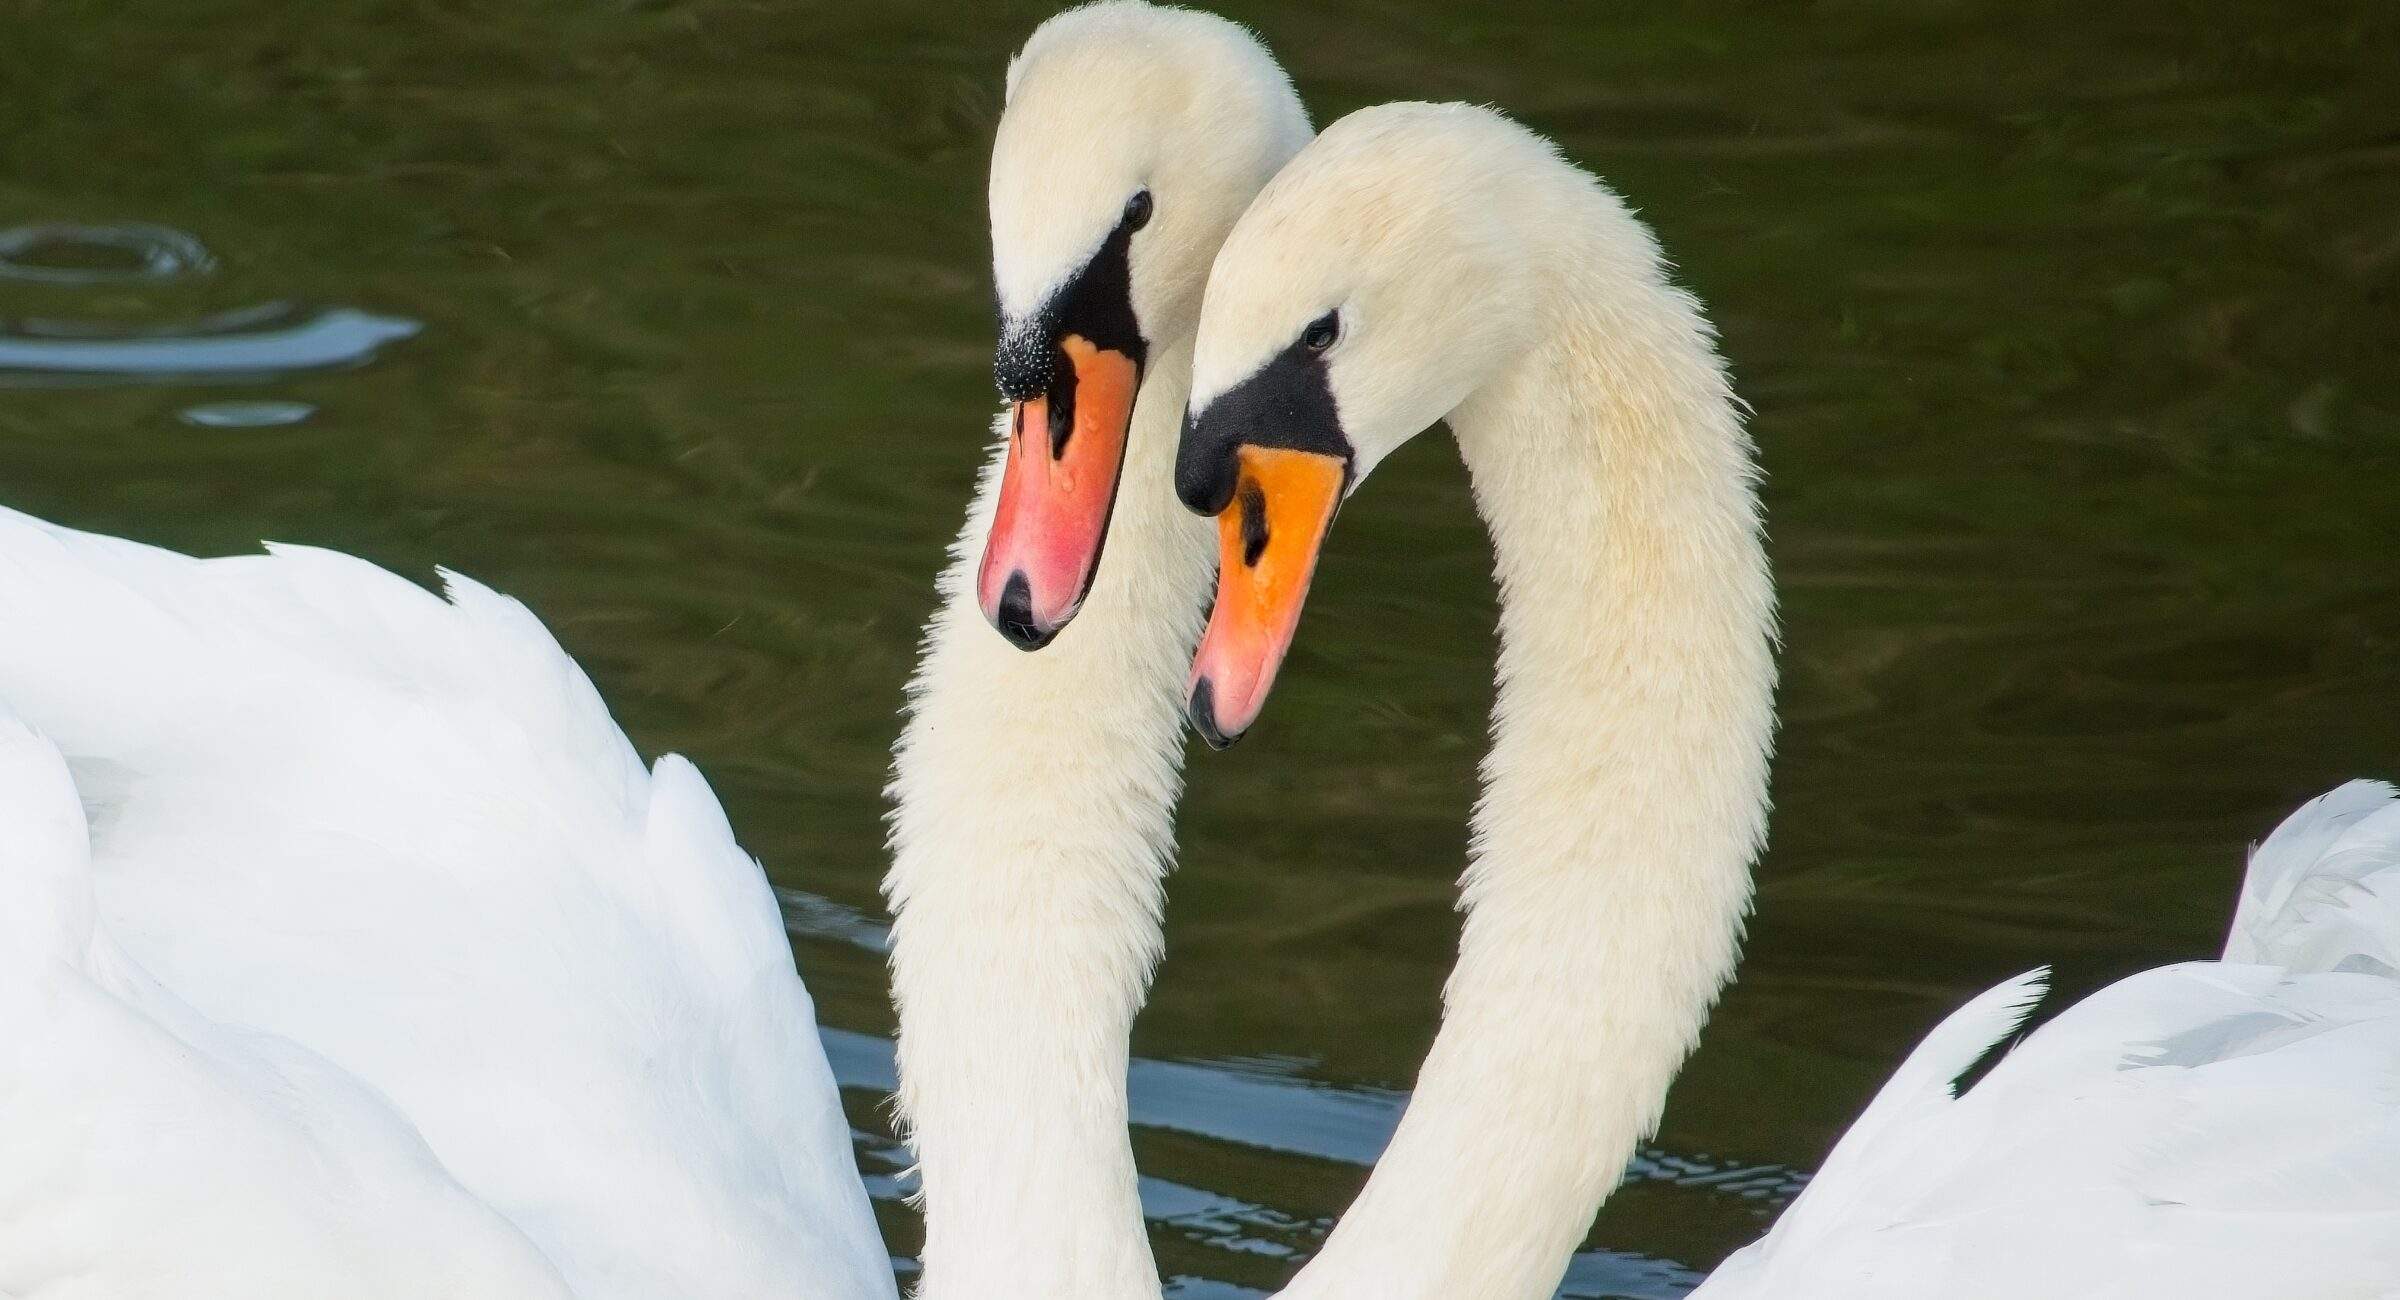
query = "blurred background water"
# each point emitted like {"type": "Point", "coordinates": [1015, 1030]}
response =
{"type": "Point", "coordinates": [2071, 331]}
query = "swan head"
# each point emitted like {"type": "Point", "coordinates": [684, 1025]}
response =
{"type": "Point", "coordinates": [1134, 135]}
{"type": "Point", "coordinates": [1377, 283]}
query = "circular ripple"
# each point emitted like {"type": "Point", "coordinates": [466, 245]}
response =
{"type": "Point", "coordinates": [69, 254]}
{"type": "Point", "coordinates": [246, 415]}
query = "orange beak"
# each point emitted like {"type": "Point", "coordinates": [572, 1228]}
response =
{"type": "Point", "coordinates": [1268, 539]}
{"type": "Point", "coordinates": [1065, 449]}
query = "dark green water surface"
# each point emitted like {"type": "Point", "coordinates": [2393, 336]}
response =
{"type": "Point", "coordinates": [2072, 331]}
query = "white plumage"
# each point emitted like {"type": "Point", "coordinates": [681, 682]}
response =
{"type": "Point", "coordinates": [147, 1151]}
{"type": "Point", "coordinates": [2220, 1130]}
{"type": "Point", "coordinates": [436, 960]}
{"type": "Point", "coordinates": [1034, 793]}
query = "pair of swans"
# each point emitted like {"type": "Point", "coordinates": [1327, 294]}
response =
{"type": "Point", "coordinates": [1423, 263]}
{"type": "Point", "coordinates": [349, 948]}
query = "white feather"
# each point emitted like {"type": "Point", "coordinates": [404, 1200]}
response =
{"type": "Point", "coordinates": [402, 833]}
{"type": "Point", "coordinates": [2320, 894]}
{"type": "Point", "coordinates": [147, 1151]}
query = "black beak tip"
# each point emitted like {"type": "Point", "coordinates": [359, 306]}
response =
{"type": "Point", "coordinates": [1202, 710]}
{"type": "Point", "coordinates": [1014, 617]}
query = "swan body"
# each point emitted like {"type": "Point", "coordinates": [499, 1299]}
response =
{"type": "Point", "coordinates": [1034, 793]}
{"type": "Point", "coordinates": [2221, 1130]}
{"type": "Point", "coordinates": [372, 877]}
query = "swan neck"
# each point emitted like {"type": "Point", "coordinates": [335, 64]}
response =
{"type": "Point", "coordinates": [1625, 790]}
{"type": "Point", "coordinates": [1032, 822]}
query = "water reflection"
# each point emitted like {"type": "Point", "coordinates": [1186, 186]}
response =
{"type": "Point", "coordinates": [253, 343]}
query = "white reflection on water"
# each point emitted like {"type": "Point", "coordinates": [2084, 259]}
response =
{"type": "Point", "coordinates": [245, 415]}
{"type": "Point", "coordinates": [254, 343]}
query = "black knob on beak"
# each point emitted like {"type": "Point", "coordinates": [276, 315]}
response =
{"type": "Point", "coordinates": [1206, 468]}
{"type": "Point", "coordinates": [1026, 361]}
{"type": "Point", "coordinates": [1288, 402]}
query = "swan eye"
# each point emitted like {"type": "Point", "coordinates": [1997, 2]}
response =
{"type": "Point", "coordinates": [1321, 332]}
{"type": "Point", "coordinates": [1137, 210]}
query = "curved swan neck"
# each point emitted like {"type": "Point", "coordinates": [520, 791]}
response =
{"type": "Point", "coordinates": [1625, 791]}
{"type": "Point", "coordinates": [1034, 798]}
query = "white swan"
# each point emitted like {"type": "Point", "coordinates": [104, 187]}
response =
{"type": "Point", "coordinates": [388, 969]}
{"type": "Point", "coordinates": [2221, 1130]}
{"type": "Point", "coordinates": [1418, 263]}
{"type": "Point", "coordinates": [1421, 263]}
{"type": "Point", "coordinates": [448, 966]}
{"type": "Point", "coordinates": [1034, 792]}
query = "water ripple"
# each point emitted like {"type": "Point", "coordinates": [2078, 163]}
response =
{"type": "Point", "coordinates": [254, 343]}
{"type": "Point", "coordinates": [1221, 1222]}
{"type": "Point", "coordinates": [813, 917]}
{"type": "Point", "coordinates": [245, 415]}
{"type": "Point", "coordinates": [1261, 1102]}
{"type": "Point", "coordinates": [59, 253]}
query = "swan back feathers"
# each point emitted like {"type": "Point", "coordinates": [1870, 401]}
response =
{"type": "Point", "coordinates": [454, 880]}
{"type": "Point", "coordinates": [2212, 1129]}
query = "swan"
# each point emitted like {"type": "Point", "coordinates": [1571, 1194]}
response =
{"type": "Point", "coordinates": [2176, 1135]}
{"type": "Point", "coordinates": [1419, 263]}
{"type": "Point", "coordinates": [380, 930]}
{"type": "Point", "coordinates": [1033, 793]}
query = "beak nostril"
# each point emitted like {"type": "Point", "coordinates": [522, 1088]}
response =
{"type": "Point", "coordinates": [1254, 522]}
{"type": "Point", "coordinates": [1014, 617]}
{"type": "Point", "coordinates": [1062, 410]}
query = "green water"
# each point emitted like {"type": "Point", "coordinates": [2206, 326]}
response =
{"type": "Point", "coordinates": [2071, 331]}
